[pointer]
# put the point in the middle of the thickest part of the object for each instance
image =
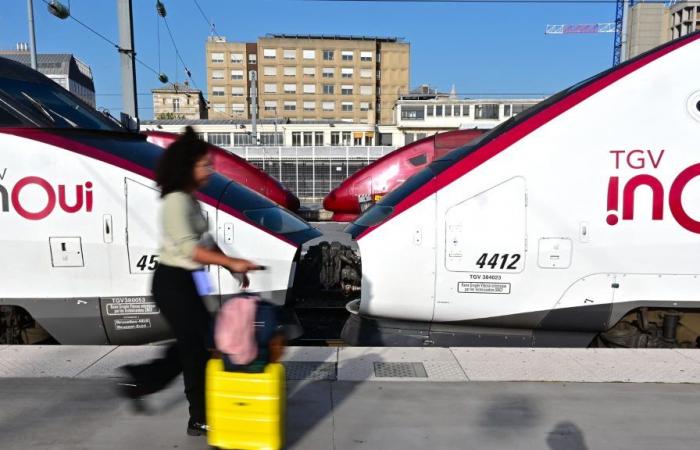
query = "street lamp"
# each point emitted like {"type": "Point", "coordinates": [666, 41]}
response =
{"type": "Point", "coordinates": [59, 10]}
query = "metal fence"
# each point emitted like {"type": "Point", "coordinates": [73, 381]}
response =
{"type": "Point", "coordinates": [311, 172]}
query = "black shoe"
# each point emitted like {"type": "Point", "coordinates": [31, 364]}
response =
{"type": "Point", "coordinates": [196, 428]}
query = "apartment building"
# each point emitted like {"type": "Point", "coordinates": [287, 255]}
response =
{"type": "Point", "coordinates": [308, 78]}
{"type": "Point", "coordinates": [651, 24]}
{"type": "Point", "coordinates": [178, 101]}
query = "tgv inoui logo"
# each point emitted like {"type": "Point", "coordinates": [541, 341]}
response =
{"type": "Point", "coordinates": [640, 159]}
{"type": "Point", "coordinates": [70, 200]}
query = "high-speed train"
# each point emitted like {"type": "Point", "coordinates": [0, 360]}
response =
{"type": "Point", "coordinates": [79, 219]}
{"type": "Point", "coordinates": [237, 169]}
{"type": "Point", "coordinates": [363, 188]}
{"type": "Point", "coordinates": [576, 221]}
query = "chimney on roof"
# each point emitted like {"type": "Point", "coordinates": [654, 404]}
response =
{"type": "Point", "coordinates": [22, 47]}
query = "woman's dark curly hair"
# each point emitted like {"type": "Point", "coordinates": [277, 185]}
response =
{"type": "Point", "coordinates": [175, 169]}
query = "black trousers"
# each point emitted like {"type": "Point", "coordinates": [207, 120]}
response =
{"type": "Point", "coordinates": [175, 294]}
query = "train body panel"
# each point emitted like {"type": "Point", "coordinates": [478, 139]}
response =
{"type": "Point", "coordinates": [561, 221]}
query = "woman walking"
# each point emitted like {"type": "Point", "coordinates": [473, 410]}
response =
{"type": "Point", "coordinates": [179, 279]}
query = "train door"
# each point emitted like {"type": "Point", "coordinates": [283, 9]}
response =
{"type": "Point", "coordinates": [481, 252]}
{"type": "Point", "coordinates": [130, 315]}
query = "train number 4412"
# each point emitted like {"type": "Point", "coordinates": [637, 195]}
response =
{"type": "Point", "coordinates": [506, 261]}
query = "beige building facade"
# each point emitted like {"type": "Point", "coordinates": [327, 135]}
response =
{"type": "Point", "coordinates": [652, 24]}
{"type": "Point", "coordinates": [178, 101]}
{"type": "Point", "coordinates": [308, 78]}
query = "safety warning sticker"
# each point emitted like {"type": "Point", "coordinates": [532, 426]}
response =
{"type": "Point", "coordinates": [470, 287]}
{"type": "Point", "coordinates": [127, 306]}
{"type": "Point", "coordinates": [132, 324]}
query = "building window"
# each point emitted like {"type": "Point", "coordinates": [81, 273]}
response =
{"type": "Point", "coordinates": [270, 71]}
{"type": "Point", "coordinates": [328, 106]}
{"type": "Point", "coordinates": [219, 139]}
{"type": "Point", "coordinates": [346, 89]}
{"type": "Point", "coordinates": [385, 139]}
{"type": "Point", "coordinates": [237, 91]}
{"type": "Point", "coordinates": [270, 88]}
{"type": "Point", "coordinates": [252, 58]}
{"type": "Point", "coordinates": [290, 71]}
{"type": "Point", "coordinates": [431, 110]}
{"type": "Point", "coordinates": [308, 138]}
{"type": "Point", "coordinates": [364, 106]}
{"type": "Point", "coordinates": [346, 72]}
{"type": "Point", "coordinates": [296, 138]}
{"type": "Point", "coordinates": [465, 110]}
{"type": "Point", "coordinates": [328, 89]}
{"type": "Point", "coordinates": [217, 58]}
{"type": "Point", "coordinates": [448, 110]}
{"type": "Point", "coordinates": [290, 106]}
{"type": "Point", "coordinates": [506, 110]}
{"type": "Point", "coordinates": [457, 110]}
{"type": "Point", "coordinates": [217, 75]}
{"type": "Point", "coordinates": [309, 89]}
{"type": "Point", "coordinates": [236, 58]}
{"type": "Point", "coordinates": [290, 88]}
{"type": "Point", "coordinates": [236, 74]}
{"type": "Point", "coordinates": [365, 73]}
{"type": "Point", "coordinates": [347, 136]}
{"type": "Point", "coordinates": [328, 55]}
{"type": "Point", "coordinates": [365, 90]}
{"type": "Point", "coordinates": [486, 111]}
{"type": "Point", "coordinates": [318, 138]}
{"type": "Point", "coordinates": [290, 54]}
{"type": "Point", "coordinates": [241, 139]}
{"type": "Point", "coordinates": [365, 56]}
{"type": "Point", "coordinates": [379, 74]}
{"type": "Point", "coordinates": [438, 110]}
{"type": "Point", "coordinates": [346, 106]}
{"type": "Point", "coordinates": [176, 105]}
{"type": "Point", "coordinates": [219, 107]}
{"type": "Point", "coordinates": [346, 55]}
{"type": "Point", "coordinates": [309, 72]}
{"type": "Point", "coordinates": [269, 53]}
{"type": "Point", "coordinates": [238, 108]}
{"type": "Point", "coordinates": [328, 72]}
{"type": "Point", "coordinates": [309, 106]}
{"type": "Point", "coordinates": [517, 109]}
{"type": "Point", "coordinates": [335, 138]}
{"type": "Point", "coordinates": [218, 91]}
{"type": "Point", "coordinates": [412, 113]}
{"type": "Point", "coordinates": [271, 138]}
{"type": "Point", "coordinates": [271, 105]}
{"type": "Point", "coordinates": [357, 139]}
{"type": "Point", "coordinates": [309, 54]}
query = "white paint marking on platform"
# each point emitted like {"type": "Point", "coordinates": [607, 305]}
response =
{"type": "Point", "coordinates": [638, 365]}
{"type": "Point", "coordinates": [107, 366]}
{"type": "Point", "coordinates": [519, 364]}
{"type": "Point", "coordinates": [357, 363]}
{"type": "Point", "coordinates": [32, 361]}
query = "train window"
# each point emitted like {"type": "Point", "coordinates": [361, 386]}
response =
{"type": "Point", "coordinates": [7, 119]}
{"type": "Point", "coordinates": [54, 104]}
{"type": "Point", "coordinates": [374, 216]}
{"type": "Point", "coordinates": [276, 220]}
{"type": "Point", "coordinates": [418, 160]}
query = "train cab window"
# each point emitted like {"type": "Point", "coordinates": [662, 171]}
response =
{"type": "Point", "coordinates": [418, 160]}
{"type": "Point", "coordinates": [374, 216]}
{"type": "Point", "coordinates": [8, 120]}
{"type": "Point", "coordinates": [276, 220]}
{"type": "Point", "coordinates": [54, 105]}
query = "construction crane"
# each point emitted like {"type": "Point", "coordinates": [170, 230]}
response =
{"type": "Point", "coordinates": [619, 27]}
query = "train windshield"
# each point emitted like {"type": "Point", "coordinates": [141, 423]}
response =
{"type": "Point", "coordinates": [52, 105]}
{"type": "Point", "coordinates": [277, 220]}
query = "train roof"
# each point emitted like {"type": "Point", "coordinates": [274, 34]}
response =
{"type": "Point", "coordinates": [455, 164]}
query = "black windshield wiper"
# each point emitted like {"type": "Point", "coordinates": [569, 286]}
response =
{"type": "Point", "coordinates": [39, 107]}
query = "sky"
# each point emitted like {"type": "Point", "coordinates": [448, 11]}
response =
{"type": "Point", "coordinates": [479, 48]}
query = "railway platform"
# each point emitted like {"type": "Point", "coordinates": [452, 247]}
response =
{"type": "Point", "coordinates": [61, 397]}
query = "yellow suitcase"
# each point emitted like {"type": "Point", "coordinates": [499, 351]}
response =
{"type": "Point", "coordinates": [245, 410]}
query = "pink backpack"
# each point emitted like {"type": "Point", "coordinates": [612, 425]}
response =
{"type": "Point", "coordinates": [234, 334]}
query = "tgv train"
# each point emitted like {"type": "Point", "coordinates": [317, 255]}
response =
{"type": "Point", "coordinates": [578, 220]}
{"type": "Point", "coordinates": [369, 184]}
{"type": "Point", "coordinates": [237, 169]}
{"type": "Point", "coordinates": [79, 219]}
